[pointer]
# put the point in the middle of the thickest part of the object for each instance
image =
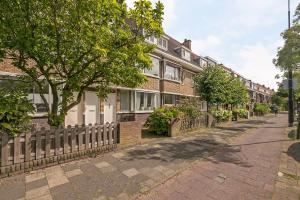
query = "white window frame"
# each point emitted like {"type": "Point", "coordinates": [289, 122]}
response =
{"type": "Point", "coordinates": [170, 78]}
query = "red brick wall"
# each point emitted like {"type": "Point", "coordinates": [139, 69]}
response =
{"type": "Point", "coordinates": [151, 84]}
{"type": "Point", "coordinates": [6, 66]}
{"type": "Point", "coordinates": [130, 133]}
{"type": "Point", "coordinates": [186, 88]}
{"type": "Point", "coordinates": [170, 86]}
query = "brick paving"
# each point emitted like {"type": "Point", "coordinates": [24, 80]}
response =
{"type": "Point", "coordinates": [127, 173]}
{"type": "Point", "coordinates": [245, 169]}
{"type": "Point", "coordinates": [288, 180]}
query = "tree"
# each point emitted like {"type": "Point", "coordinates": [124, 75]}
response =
{"type": "Point", "coordinates": [78, 44]}
{"type": "Point", "coordinates": [288, 57]}
{"type": "Point", "coordinates": [212, 85]}
{"type": "Point", "coordinates": [237, 92]}
{"type": "Point", "coordinates": [14, 111]}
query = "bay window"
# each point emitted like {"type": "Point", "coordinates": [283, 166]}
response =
{"type": "Point", "coordinates": [172, 73]}
{"type": "Point", "coordinates": [154, 71]}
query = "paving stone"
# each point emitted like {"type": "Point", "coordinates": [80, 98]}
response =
{"type": "Point", "coordinates": [130, 172]}
{"type": "Point", "coordinates": [123, 196]}
{"type": "Point", "coordinates": [34, 176]}
{"type": "Point", "coordinates": [36, 184]}
{"type": "Point", "coordinates": [102, 165]}
{"type": "Point", "coordinates": [118, 155]}
{"type": "Point", "coordinates": [56, 176]}
{"type": "Point", "coordinates": [37, 193]}
{"type": "Point", "coordinates": [73, 173]}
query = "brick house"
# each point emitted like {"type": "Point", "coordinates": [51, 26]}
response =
{"type": "Point", "coordinates": [169, 81]}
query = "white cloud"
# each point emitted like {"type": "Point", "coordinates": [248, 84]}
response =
{"type": "Point", "coordinates": [255, 63]}
{"type": "Point", "coordinates": [206, 45]}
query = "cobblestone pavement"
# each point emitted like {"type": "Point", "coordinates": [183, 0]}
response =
{"type": "Point", "coordinates": [245, 169]}
{"type": "Point", "coordinates": [288, 180]}
{"type": "Point", "coordinates": [127, 173]}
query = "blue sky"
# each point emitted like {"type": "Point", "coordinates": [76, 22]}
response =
{"type": "Point", "coordinates": [242, 34]}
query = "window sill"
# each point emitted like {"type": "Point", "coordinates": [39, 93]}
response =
{"type": "Point", "coordinates": [152, 76]}
{"type": "Point", "coordinates": [166, 79]}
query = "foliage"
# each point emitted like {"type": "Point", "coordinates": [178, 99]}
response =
{"type": "Point", "coordinates": [288, 57]}
{"type": "Point", "coordinates": [212, 84]}
{"type": "Point", "coordinates": [261, 108]}
{"type": "Point", "coordinates": [280, 98]}
{"type": "Point", "coordinates": [241, 113]}
{"type": "Point", "coordinates": [216, 86]}
{"type": "Point", "coordinates": [14, 111]}
{"type": "Point", "coordinates": [222, 115]}
{"type": "Point", "coordinates": [237, 92]}
{"type": "Point", "coordinates": [190, 109]}
{"type": "Point", "coordinates": [159, 121]}
{"type": "Point", "coordinates": [74, 45]}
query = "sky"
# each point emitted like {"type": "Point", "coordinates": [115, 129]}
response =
{"type": "Point", "coordinates": [241, 34]}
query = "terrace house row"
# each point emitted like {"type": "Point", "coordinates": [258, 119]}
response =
{"type": "Point", "coordinates": [169, 81]}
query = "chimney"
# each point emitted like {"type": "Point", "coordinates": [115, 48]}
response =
{"type": "Point", "coordinates": [188, 44]}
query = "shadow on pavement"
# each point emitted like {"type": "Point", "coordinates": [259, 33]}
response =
{"type": "Point", "coordinates": [294, 151]}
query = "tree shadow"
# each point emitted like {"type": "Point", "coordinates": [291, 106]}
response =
{"type": "Point", "coordinates": [294, 151]}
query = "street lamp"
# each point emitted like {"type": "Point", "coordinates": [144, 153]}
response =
{"type": "Point", "coordinates": [290, 79]}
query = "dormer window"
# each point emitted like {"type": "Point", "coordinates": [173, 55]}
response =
{"type": "Point", "coordinates": [185, 54]}
{"type": "Point", "coordinates": [160, 42]}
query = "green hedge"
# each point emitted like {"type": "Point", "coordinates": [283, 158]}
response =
{"type": "Point", "coordinates": [261, 108]}
{"type": "Point", "coordinates": [221, 115]}
{"type": "Point", "coordinates": [241, 113]}
{"type": "Point", "coordinates": [159, 121]}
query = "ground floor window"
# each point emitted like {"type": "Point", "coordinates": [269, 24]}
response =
{"type": "Point", "coordinates": [146, 101]}
{"type": "Point", "coordinates": [125, 100]}
{"type": "Point", "coordinates": [170, 99]}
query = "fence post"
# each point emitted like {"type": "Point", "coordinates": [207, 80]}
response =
{"type": "Point", "coordinates": [87, 137]}
{"type": "Point", "coordinates": [38, 142]}
{"type": "Point", "coordinates": [99, 132]}
{"type": "Point", "coordinates": [48, 142]}
{"type": "Point", "coordinates": [105, 134]}
{"type": "Point", "coordinates": [80, 147]}
{"type": "Point", "coordinates": [93, 136]}
{"type": "Point", "coordinates": [56, 141]}
{"type": "Point", "coordinates": [4, 149]}
{"type": "Point", "coordinates": [28, 146]}
{"type": "Point", "coordinates": [66, 139]}
{"type": "Point", "coordinates": [16, 150]}
{"type": "Point", "coordinates": [73, 138]}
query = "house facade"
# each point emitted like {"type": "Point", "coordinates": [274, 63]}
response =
{"type": "Point", "coordinates": [170, 80]}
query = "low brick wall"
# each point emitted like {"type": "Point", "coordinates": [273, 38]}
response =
{"type": "Point", "coordinates": [130, 133]}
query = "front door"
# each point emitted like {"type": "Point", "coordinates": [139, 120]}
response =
{"type": "Point", "coordinates": [110, 108]}
{"type": "Point", "coordinates": [92, 110]}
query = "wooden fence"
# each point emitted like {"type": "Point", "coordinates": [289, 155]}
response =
{"type": "Point", "coordinates": [192, 123]}
{"type": "Point", "coordinates": [40, 148]}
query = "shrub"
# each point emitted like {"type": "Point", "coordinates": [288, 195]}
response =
{"type": "Point", "coordinates": [241, 113]}
{"type": "Point", "coordinates": [261, 108]}
{"type": "Point", "coordinates": [159, 121]}
{"type": "Point", "coordinates": [221, 115]}
{"type": "Point", "coordinates": [14, 112]}
{"type": "Point", "coordinates": [189, 109]}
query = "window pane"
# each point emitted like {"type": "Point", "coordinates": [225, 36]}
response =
{"type": "Point", "coordinates": [125, 100]}
{"type": "Point", "coordinates": [155, 67]}
{"type": "Point", "coordinates": [169, 99]}
{"type": "Point", "coordinates": [145, 101]}
{"type": "Point", "coordinates": [172, 73]}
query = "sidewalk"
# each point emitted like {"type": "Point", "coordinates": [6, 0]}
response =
{"type": "Point", "coordinates": [123, 174]}
{"type": "Point", "coordinates": [288, 181]}
{"type": "Point", "coordinates": [244, 170]}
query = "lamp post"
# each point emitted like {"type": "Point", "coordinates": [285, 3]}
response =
{"type": "Point", "coordinates": [290, 79]}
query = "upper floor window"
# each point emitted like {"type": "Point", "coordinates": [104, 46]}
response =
{"type": "Point", "coordinates": [172, 73]}
{"type": "Point", "coordinates": [185, 54]}
{"type": "Point", "coordinates": [154, 71]}
{"type": "Point", "coordinates": [160, 42]}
